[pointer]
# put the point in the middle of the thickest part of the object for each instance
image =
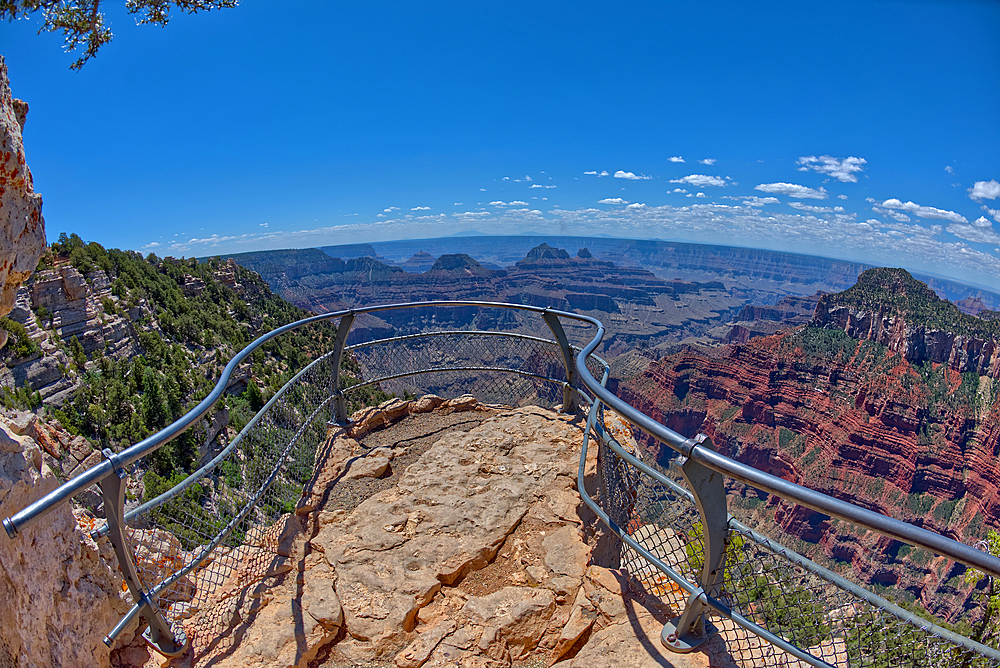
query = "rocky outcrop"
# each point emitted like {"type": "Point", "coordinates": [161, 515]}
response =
{"type": "Point", "coordinates": [22, 228]}
{"type": "Point", "coordinates": [890, 307]}
{"type": "Point", "coordinates": [914, 341]}
{"type": "Point", "coordinates": [61, 591]}
{"type": "Point", "coordinates": [73, 306]}
{"type": "Point", "coordinates": [478, 553]}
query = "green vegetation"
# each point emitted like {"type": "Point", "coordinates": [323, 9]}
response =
{"type": "Point", "coordinates": [82, 24]}
{"type": "Point", "coordinates": [19, 344]}
{"type": "Point", "coordinates": [919, 504]}
{"type": "Point", "coordinates": [186, 341]}
{"type": "Point", "coordinates": [788, 609]}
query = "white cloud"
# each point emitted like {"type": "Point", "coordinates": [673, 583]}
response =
{"type": "Point", "coordinates": [708, 161]}
{"type": "Point", "coordinates": [152, 244]}
{"type": "Point", "coordinates": [381, 215]}
{"type": "Point", "coordinates": [527, 178]}
{"type": "Point", "coordinates": [842, 169]}
{"type": "Point", "coordinates": [457, 204]}
{"type": "Point", "coordinates": [263, 224]}
{"type": "Point", "coordinates": [613, 200]}
{"type": "Point", "coordinates": [753, 200]}
{"type": "Point", "coordinates": [980, 230]}
{"type": "Point", "coordinates": [482, 190]}
{"type": "Point", "coordinates": [949, 169]}
{"type": "Point", "coordinates": [701, 194]}
{"type": "Point", "coordinates": [841, 196]}
{"type": "Point", "coordinates": [591, 173]}
{"type": "Point", "coordinates": [636, 206]}
{"type": "Point", "coordinates": [816, 209]}
{"type": "Point", "coordinates": [679, 190]}
{"type": "Point", "coordinates": [498, 203]}
{"type": "Point", "coordinates": [537, 185]}
{"type": "Point", "coordinates": [993, 212]}
{"type": "Point", "coordinates": [604, 172]}
{"type": "Point", "coordinates": [984, 189]}
{"type": "Point", "coordinates": [630, 176]}
{"type": "Point", "coordinates": [701, 180]}
{"type": "Point", "coordinates": [390, 209]}
{"type": "Point", "coordinates": [924, 211]}
{"type": "Point", "coordinates": [421, 208]}
{"type": "Point", "coordinates": [518, 202]}
{"type": "Point", "coordinates": [676, 158]}
{"type": "Point", "coordinates": [792, 190]}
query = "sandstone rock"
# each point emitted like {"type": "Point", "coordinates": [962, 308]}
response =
{"type": "Point", "coordinates": [431, 572]}
{"type": "Point", "coordinates": [426, 403]}
{"type": "Point", "coordinates": [521, 614]}
{"type": "Point", "coordinates": [466, 402]}
{"type": "Point", "coordinates": [417, 652]}
{"type": "Point", "coordinates": [22, 228]}
{"type": "Point", "coordinates": [55, 581]}
{"type": "Point", "coordinates": [367, 467]}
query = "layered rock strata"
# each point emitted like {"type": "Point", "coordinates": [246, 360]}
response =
{"type": "Point", "coordinates": [860, 424]}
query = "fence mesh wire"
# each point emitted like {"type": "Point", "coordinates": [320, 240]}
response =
{"type": "Point", "coordinates": [244, 499]}
{"type": "Point", "coordinates": [764, 582]}
{"type": "Point", "coordinates": [451, 364]}
{"type": "Point", "coordinates": [251, 492]}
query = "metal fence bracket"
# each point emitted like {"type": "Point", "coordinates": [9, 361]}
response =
{"type": "Point", "coordinates": [691, 629]}
{"type": "Point", "coordinates": [159, 634]}
{"type": "Point", "coordinates": [340, 416]}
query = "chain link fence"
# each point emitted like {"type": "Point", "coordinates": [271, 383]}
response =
{"type": "Point", "coordinates": [204, 542]}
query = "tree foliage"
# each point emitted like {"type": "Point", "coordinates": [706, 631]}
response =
{"type": "Point", "coordinates": [83, 25]}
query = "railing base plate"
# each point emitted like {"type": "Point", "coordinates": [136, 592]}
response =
{"type": "Point", "coordinates": [175, 650]}
{"type": "Point", "coordinates": [686, 643]}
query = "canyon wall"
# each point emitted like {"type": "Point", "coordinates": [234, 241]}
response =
{"type": "Point", "coordinates": [852, 419]}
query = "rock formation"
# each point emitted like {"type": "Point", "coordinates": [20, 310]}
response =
{"type": "Point", "coordinates": [22, 228]}
{"type": "Point", "coordinates": [447, 536]}
{"type": "Point", "coordinates": [854, 420]}
{"type": "Point", "coordinates": [61, 590]}
{"type": "Point", "coordinates": [638, 308]}
{"type": "Point", "coordinates": [890, 307]}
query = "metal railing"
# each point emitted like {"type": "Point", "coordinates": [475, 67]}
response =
{"type": "Point", "coordinates": [188, 552]}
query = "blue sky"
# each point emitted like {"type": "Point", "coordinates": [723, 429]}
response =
{"type": "Point", "coordinates": [860, 130]}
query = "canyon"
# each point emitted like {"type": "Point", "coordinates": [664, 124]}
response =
{"type": "Point", "coordinates": [850, 406]}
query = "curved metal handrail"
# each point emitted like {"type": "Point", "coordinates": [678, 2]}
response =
{"type": "Point", "coordinates": [28, 515]}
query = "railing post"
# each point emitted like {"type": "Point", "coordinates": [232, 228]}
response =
{"type": "Point", "coordinates": [569, 397]}
{"type": "Point", "coordinates": [159, 633]}
{"type": "Point", "coordinates": [340, 416]}
{"type": "Point", "coordinates": [688, 631]}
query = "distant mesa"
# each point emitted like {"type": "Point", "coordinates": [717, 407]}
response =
{"type": "Point", "coordinates": [347, 251]}
{"type": "Point", "coordinates": [584, 254]}
{"type": "Point", "coordinates": [546, 252]}
{"type": "Point", "coordinates": [460, 262]}
{"type": "Point", "coordinates": [419, 263]}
